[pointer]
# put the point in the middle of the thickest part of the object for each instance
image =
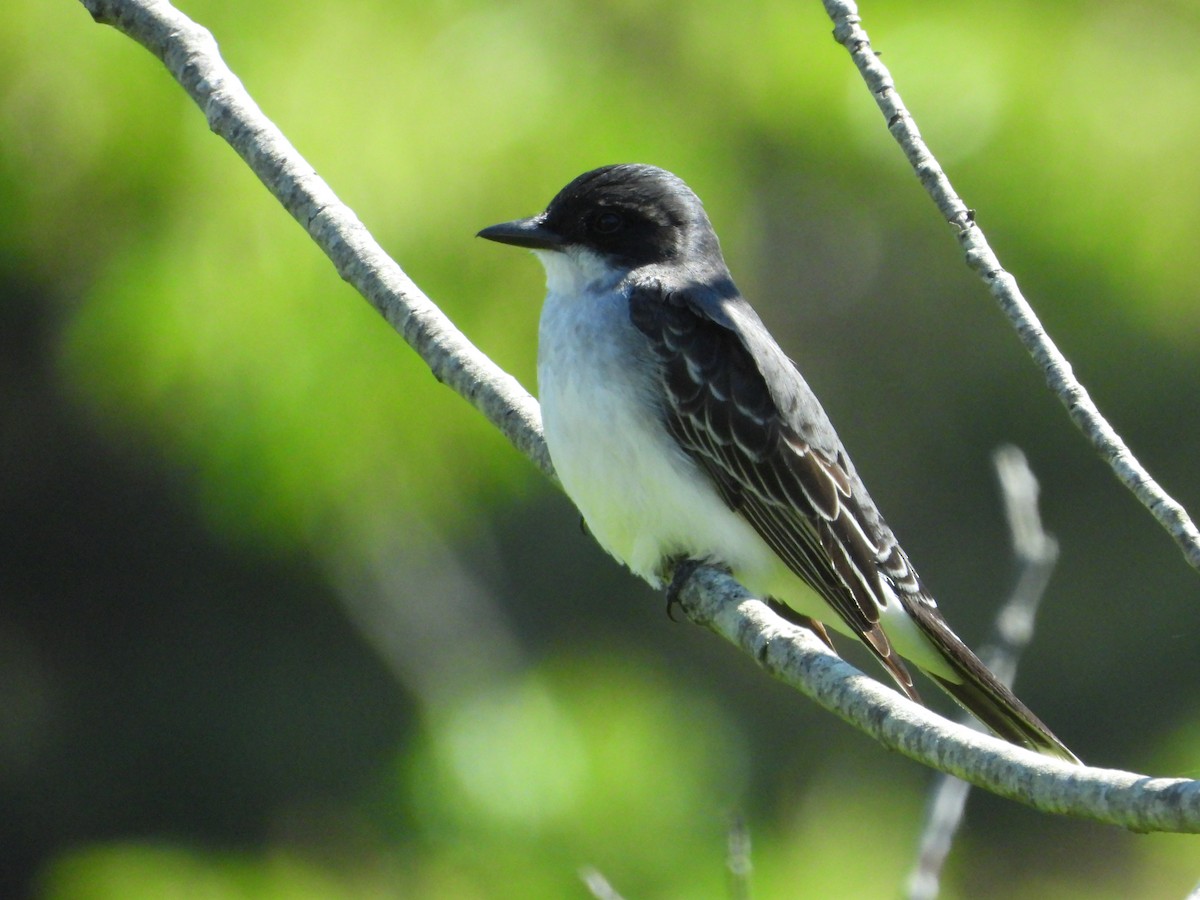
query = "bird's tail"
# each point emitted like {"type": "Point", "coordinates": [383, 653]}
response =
{"type": "Point", "coordinates": [987, 698]}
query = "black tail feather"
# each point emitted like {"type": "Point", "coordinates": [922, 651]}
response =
{"type": "Point", "coordinates": [982, 694]}
{"type": "Point", "coordinates": [1008, 717]}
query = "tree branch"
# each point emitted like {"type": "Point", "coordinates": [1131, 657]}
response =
{"type": "Point", "coordinates": [1036, 554]}
{"type": "Point", "coordinates": [190, 54]}
{"type": "Point", "coordinates": [710, 598]}
{"type": "Point", "coordinates": [798, 658]}
{"type": "Point", "coordinates": [1003, 286]}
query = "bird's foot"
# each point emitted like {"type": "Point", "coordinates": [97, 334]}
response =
{"type": "Point", "coordinates": [681, 568]}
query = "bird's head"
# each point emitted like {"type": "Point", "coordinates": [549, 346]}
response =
{"type": "Point", "coordinates": [623, 216]}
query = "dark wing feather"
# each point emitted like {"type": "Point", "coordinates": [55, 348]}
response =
{"type": "Point", "coordinates": [737, 406]}
{"type": "Point", "coordinates": [798, 497]}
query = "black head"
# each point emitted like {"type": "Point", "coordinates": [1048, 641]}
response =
{"type": "Point", "coordinates": [631, 214]}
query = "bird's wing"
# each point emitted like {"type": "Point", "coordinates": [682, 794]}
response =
{"type": "Point", "coordinates": [792, 483]}
{"type": "Point", "coordinates": [737, 406]}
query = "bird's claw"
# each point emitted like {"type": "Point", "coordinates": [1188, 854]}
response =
{"type": "Point", "coordinates": [681, 570]}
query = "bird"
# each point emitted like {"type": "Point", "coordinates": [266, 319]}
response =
{"type": "Point", "coordinates": [685, 435]}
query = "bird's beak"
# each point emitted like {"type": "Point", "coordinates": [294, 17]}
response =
{"type": "Point", "coordinates": [530, 233]}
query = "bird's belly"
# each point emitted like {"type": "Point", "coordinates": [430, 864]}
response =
{"type": "Point", "coordinates": [643, 499]}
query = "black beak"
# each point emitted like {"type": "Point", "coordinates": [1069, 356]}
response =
{"type": "Point", "coordinates": [529, 233]}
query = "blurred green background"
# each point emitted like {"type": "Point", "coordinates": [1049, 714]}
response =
{"type": "Point", "coordinates": [280, 616]}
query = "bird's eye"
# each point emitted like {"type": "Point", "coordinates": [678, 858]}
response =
{"type": "Point", "coordinates": [607, 223]}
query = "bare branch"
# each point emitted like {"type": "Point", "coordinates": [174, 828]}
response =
{"type": "Point", "coordinates": [191, 55]}
{"type": "Point", "coordinates": [737, 859]}
{"type": "Point", "coordinates": [1036, 553]}
{"type": "Point", "coordinates": [1003, 286]}
{"type": "Point", "coordinates": [943, 815]}
{"type": "Point", "coordinates": [597, 884]}
{"type": "Point", "coordinates": [710, 598]}
{"type": "Point", "coordinates": [797, 657]}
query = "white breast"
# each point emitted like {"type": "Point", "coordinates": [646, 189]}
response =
{"type": "Point", "coordinates": [641, 497]}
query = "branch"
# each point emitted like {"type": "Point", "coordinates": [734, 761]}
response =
{"type": "Point", "coordinates": [1036, 553]}
{"type": "Point", "coordinates": [798, 658]}
{"type": "Point", "coordinates": [738, 864]}
{"type": "Point", "coordinates": [191, 55]}
{"type": "Point", "coordinates": [709, 598]}
{"type": "Point", "coordinates": [598, 886]}
{"type": "Point", "coordinates": [1003, 287]}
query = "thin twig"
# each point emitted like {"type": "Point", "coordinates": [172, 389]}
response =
{"type": "Point", "coordinates": [597, 884]}
{"type": "Point", "coordinates": [710, 598]}
{"type": "Point", "coordinates": [738, 859]}
{"type": "Point", "coordinates": [1003, 286]}
{"type": "Point", "coordinates": [943, 814]}
{"type": "Point", "coordinates": [1036, 553]}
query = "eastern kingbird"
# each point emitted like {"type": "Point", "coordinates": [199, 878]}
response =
{"type": "Point", "coordinates": [683, 432]}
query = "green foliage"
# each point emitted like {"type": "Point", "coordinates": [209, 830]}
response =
{"type": "Point", "coordinates": [511, 792]}
{"type": "Point", "coordinates": [194, 318]}
{"type": "Point", "coordinates": [209, 324]}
